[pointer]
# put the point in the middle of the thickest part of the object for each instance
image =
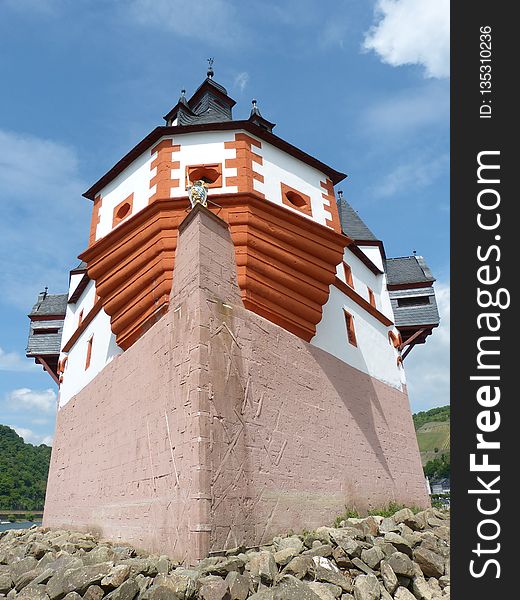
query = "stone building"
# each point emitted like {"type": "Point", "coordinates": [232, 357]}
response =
{"type": "Point", "coordinates": [234, 370]}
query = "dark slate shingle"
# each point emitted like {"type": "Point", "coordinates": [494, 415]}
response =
{"type": "Point", "coordinates": [408, 269]}
{"type": "Point", "coordinates": [41, 343]}
{"type": "Point", "coordinates": [50, 304]}
{"type": "Point", "coordinates": [410, 316]}
{"type": "Point", "coordinates": [352, 224]}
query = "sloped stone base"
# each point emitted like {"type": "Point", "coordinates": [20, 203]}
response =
{"type": "Point", "coordinates": [219, 428]}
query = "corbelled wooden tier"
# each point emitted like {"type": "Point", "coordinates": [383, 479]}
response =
{"type": "Point", "coordinates": [285, 263]}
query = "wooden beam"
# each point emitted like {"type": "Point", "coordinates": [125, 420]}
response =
{"type": "Point", "coordinates": [407, 351]}
{"type": "Point", "coordinates": [46, 366]}
{"type": "Point", "coordinates": [412, 338]}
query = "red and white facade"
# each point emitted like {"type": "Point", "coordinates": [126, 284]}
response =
{"type": "Point", "coordinates": [321, 295]}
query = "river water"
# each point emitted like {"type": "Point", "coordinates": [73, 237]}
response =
{"type": "Point", "coordinates": [19, 525]}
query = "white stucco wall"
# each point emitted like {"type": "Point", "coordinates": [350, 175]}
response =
{"type": "Point", "coordinates": [374, 254]}
{"type": "Point", "coordinates": [280, 167]}
{"type": "Point", "coordinates": [84, 303]}
{"type": "Point", "coordinates": [203, 148]}
{"type": "Point", "coordinates": [373, 354]}
{"type": "Point", "coordinates": [364, 278]}
{"type": "Point", "coordinates": [206, 148]}
{"type": "Point", "coordinates": [135, 179]}
{"type": "Point", "coordinates": [104, 347]}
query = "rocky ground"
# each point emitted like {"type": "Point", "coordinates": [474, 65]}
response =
{"type": "Point", "coordinates": [404, 557]}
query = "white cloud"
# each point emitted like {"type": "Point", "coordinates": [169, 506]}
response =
{"type": "Point", "coordinates": [215, 21]}
{"type": "Point", "coordinates": [45, 220]}
{"type": "Point", "coordinates": [33, 400]}
{"type": "Point", "coordinates": [409, 32]}
{"type": "Point", "coordinates": [241, 80]}
{"type": "Point", "coordinates": [420, 172]}
{"type": "Point", "coordinates": [428, 366]}
{"type": "Point", "coordinates": [30, 437]}
{"type": "Point", "coordinates": [12, 361]}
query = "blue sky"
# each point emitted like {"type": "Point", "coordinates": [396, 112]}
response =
{"type": "Point", "coordinates": [362, 85]}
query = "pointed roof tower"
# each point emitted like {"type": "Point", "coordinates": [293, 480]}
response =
{"type": "Point", "coordinates": [209, 104]}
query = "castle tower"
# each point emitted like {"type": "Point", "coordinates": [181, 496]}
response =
{"type": "Point", "coordinates": [231, 368]}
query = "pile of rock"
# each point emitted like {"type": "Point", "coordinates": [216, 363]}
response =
{"type": "Point", "coordinates": [404, 557]}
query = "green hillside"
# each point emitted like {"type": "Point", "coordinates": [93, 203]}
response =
{"type": "Point", "coordinates": [432, 428]}
{"type": "Point", "coordinates": [23, 472]}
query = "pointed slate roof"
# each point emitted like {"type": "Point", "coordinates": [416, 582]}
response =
{"type": "Point", "coordinates": [50, 305]}
{"type": "Point", "coordinates": [408, 269]}
{"type": "Point", "coordinates": [352, 224]}
{"type": "Point", "coordinates": [209, 104]}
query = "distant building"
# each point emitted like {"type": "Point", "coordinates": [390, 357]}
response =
{"type": "Point", "coordinates": [441, 486]}
{"type": "Point", "coordinates": [230, 371]}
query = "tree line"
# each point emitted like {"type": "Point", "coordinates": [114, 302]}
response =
{"type": "Point", "coordinates": [23, 472]}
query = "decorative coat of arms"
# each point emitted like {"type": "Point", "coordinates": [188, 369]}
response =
{"type": "Point", "coordinates": [198, 193]}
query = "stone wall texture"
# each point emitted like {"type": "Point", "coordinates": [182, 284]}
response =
{"type": "Point", "coordinates": [219, 428]}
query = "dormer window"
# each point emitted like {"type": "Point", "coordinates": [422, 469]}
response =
{"type": "Point", "coordinates": [211, 174]}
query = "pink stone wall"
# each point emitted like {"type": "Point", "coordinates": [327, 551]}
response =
{"type": "Point", "coordinates": [218, 428]}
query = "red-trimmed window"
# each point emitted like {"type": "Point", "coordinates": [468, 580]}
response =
{"type": "Point", "coordinates": [348, 275]}
{"type": "Point", "coordinates": [351, 332]}
{"type": "Point", "coordinates": [89, 352]}
{"type": "Point", "coordinates": [211, 174]}
{"type": "Point", "coordinates": [296, 199]}
{"type": "Point", "coordinates": [122, 210]}
{"type": "Point", "coordinates": [371, 297]}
